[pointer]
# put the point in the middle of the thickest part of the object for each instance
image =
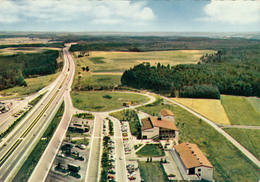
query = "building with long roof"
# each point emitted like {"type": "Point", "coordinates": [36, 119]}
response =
{"type": "Point", "coordinates": [153, 127]}
{"type": "Point", "coordinates": [194, 161]}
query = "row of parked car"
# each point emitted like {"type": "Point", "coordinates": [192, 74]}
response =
{"type": "Point", "coordinates": [131, 171]}
{"type": "Point", "coordinates": [127, 146]}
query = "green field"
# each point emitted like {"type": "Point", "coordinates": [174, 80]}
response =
{"type": "Point", "coordinates": [249, 138]}
{"type": "Point", "coordinates": [255, 102]}
{"type": "Point", "coordinates": [102, 80]}
{"type": "Point", "coordinates": [124, 60]}
{"type": "Point", "coordinates": [152, 171]}
{"type": "Point", "coordinates": [113, 64]}
{"type": "Point", "coordinates": [240, 111]}
{"type": "Point", "coordinates": [229, 164]}
{"type": "Point", "coordinates": [150, 150]}
{"type": "Point", "coordinates": [95, 101]}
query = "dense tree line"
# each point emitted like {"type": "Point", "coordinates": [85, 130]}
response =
{"type": "Point", "coordinates": [238, 73]}
{"type": "Point", "coordinates": [200, 91]}
{"type": "Point", "coordinates": [14, 68]}
{"type": "Point", "coordinates": [56, 44]}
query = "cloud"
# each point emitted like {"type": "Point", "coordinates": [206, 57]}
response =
{"type": "Point", "coordinates": [232, 12]}
{"type": "Point", "coordinates": [97, 12]}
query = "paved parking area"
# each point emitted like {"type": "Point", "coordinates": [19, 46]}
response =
{"type": "Point", "coordinates": [64, 161]}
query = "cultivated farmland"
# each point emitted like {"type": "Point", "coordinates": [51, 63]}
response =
{"type": "Point", "coordinates": [210, 108]}
{"type": "Point", "coordinates": [240, 111]}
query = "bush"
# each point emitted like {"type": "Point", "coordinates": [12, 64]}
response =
{"type": "Point", "coordinates": [107, 97]}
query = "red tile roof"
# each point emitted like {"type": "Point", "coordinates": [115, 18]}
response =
{"type": "Point", "coordinates": [166, 112]}
{"type": "Point", "coordinates": [146, 124]}
{"type": "Point", "coordinates": [192, 156]}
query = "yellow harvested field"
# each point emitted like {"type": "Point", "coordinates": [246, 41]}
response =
{"type": "Point", "coordinates": [210, 108]}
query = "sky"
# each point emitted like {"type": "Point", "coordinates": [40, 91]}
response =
{"type": "Point", "coordinates": [130, 15]}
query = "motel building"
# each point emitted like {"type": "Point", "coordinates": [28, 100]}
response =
{"type": "Point", "coordinates": [194, 162]}
{"type": "Point", "coordinates": [156, 127]}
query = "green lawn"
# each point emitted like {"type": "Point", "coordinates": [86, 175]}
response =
{"type": "Point", "coordinates": [150, 150]}
{"type": "Point", "coordinates": [94, 101]}
{"type": "Point", "coordinates": [152, 171]}
{"type": "Point", "coordinates": [240, 111]}
{"type": "Point", "coordinates": [249, 138]}
{"type": "Point", "coordinates": [229, 164]}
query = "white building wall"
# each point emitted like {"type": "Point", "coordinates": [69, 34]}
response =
{"type": "Point", "coordinates": [205, 172]}
{"type": "Point", "coordinates": [151, 132]}
{"type": "Point", "coordinates": [177, 135]}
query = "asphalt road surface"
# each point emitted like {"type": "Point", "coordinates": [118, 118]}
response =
{"type": "Point", "coordinates": [25, 136]}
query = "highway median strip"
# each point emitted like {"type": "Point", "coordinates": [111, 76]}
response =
{"type": "Point", "coordinates": [39, 116]}
{"type": "Point", "coordinates": [63, 81]}
{"type": "Point", "coordinates": [10, 151]}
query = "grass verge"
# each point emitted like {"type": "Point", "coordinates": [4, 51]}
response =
{"type": "Point", "coordinates": [229, 164]}
{"type": "Point", "coordinates": [151, 150]}
{"type": "Point", "coordinates": [37, 99]}
{"type": "Point", "coordinates": [27, 168]}
{"type": "Point", "coordinates": [147, 170]}
{"type": "Point", "coordinates": [240, 111]}
{"type": "Point", "coordinates": [249, 138]}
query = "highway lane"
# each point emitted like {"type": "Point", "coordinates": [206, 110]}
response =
{"type": "Point", "coordinates": [11, 164]}
{"type": "Point", "coordinates": [41, 170]}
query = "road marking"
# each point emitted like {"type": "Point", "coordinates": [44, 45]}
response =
{"type": "Point", "coordinates": [10, 151]}
{"type": "Point", "coordinates": [25, 133]}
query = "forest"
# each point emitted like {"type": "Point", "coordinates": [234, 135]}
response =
{"type": "Point", "coordinates": [153, 43]}
{"type": "Point", "coordinates": [14, 68]}
{"type": "Point", "coordinates": [232, 71]}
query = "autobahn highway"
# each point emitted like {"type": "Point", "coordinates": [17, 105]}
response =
{"type": "Point", "coordinates": [16, 146]}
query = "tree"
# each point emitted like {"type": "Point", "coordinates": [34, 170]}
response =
{"type": "Point", "coordinates": [83, 68]}
{"type": "Point", "coordinates": [87, 69]}
{"type": "Point", "coordinates": [159, 65]}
